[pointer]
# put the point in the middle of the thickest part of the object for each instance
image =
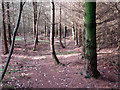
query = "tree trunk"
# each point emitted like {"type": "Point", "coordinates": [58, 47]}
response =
{"type": "Point", "coordinates": [60, 30]}
{"type": "Point", "coordinates": [4, 30]}
{"type": "Point", "coordinates": [56, 61]}
{"type": "Point", "coordinates": [83, 42]}
{"type": "Point", "coordinates": [35, 21]}
{"type": "Point", "coordinates": [76, 36]}
{"type": "Point", "coordinates": [13, 18]}
{"type": "Point", "coordinates": [90, 40]}
{"type": "Point", "coordinates": [73, 31]}
{"type": "Point", "coordinates": [65, 32]}
{"type": "Point", "coordinates": [79, 37]}
{"type": "Point", "coordinates": [36, 36]}
{"type": "Point", "coordinates": [8, 24]}
{"type": "Point", "coordinates": [13, 40]}
{"type": "Point", "coordinates": [45, 30]}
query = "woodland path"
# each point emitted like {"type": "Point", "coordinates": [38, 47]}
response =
{"type": "Point", "coordinates": [36, 69]}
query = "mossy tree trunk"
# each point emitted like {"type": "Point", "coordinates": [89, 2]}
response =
{"type": "Point", "coordinates": [52, 34]}
{"type": "Point", "coordinates": [90, 40]}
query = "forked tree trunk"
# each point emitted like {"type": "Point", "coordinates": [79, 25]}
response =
{"type": "Point", "coordinates": [13, 40]}
{"type": "Point", "coordinates": [90, 40]}
{"type": "Point", "coordinates": [8, 24]}
{"type": "Point", "coordinates": [4, 30]}
{"type": "Point", "coordinates": [52, 32]}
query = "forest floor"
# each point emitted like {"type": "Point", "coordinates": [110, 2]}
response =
{"type": "Point", "coordinates": [36, 69]}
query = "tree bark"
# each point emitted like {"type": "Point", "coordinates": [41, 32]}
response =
{"type": "Point", "coordinates": [56, 61]}
{"type": "Point", "coordinates": [4, 29]}
{"type": "Point", "coordinates": [13, 40]}
{"type": "Point", "coordinates": [90, 40]}
{"type": "Point", "coordinates": [8, 24]}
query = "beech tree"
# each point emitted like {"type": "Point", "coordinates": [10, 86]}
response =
{"type": "Point", "coordinates": [90, 40]}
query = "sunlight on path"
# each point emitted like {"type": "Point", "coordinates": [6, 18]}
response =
{"type": "Point", "coordinates": [30, 57]}
{"type": "Point", "coordinates": [68, 55]}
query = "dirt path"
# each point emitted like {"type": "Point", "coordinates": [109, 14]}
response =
{"type": "Point", "coordinates": [35, 69]}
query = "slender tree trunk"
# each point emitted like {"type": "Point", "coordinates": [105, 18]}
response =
{"type": "Point", "coordinates": [8, 24]}
{"type": "Point", "coordinates": [83, 42]}
{"type": "Point", "coordinates": [79, 37]}
{"type": "Point", "coordinates": [13, 18]}
{"type": "Point", "coordinates": [35, 21]}
{"type": "Point", "coordinates": [60, 30]}
{"type": "Point", "coordinates": [4, 30]}
{"type": "Point", "coordinates": [73, 32]}
{"type": "Point", "coordinates": [52, 32]}
{"type": "Point", "coordinates": [65, 32]}
{"type": "Point", "coordinates": [45, 29]}
{"type": "Point", "coordinates": [90, 40]}
{"type": "Point", "coordinates": [13, 40]}
{"type": "Point", "coordinates": [76, 36]}
{"type": "Point", "coordinates": [36, 36]}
